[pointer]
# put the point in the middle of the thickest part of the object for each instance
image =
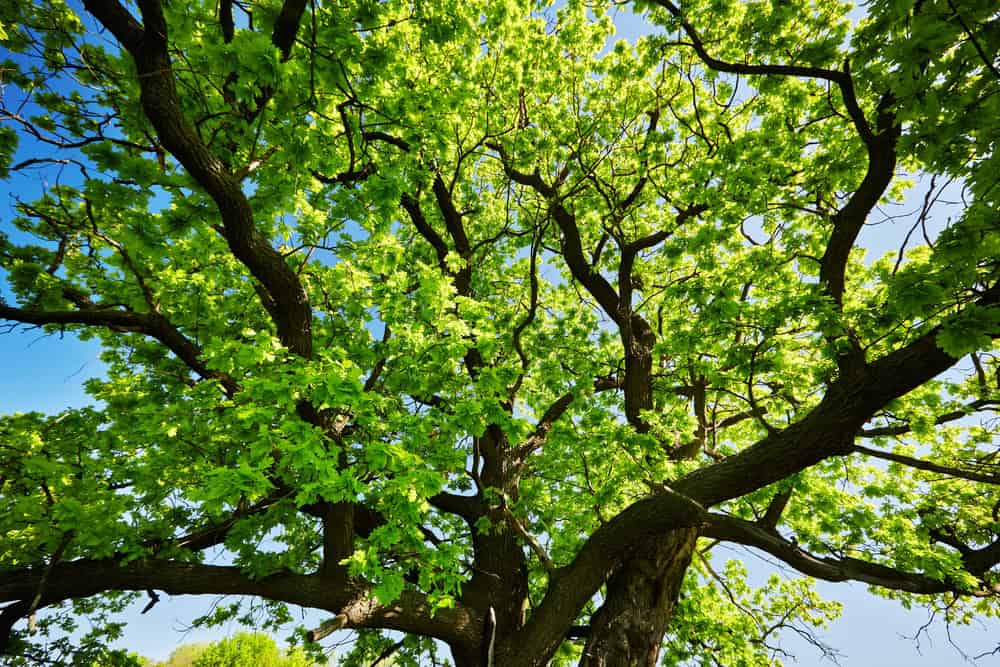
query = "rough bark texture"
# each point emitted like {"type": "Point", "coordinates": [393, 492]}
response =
{"type": "Point", "coordinates": [628, 628]}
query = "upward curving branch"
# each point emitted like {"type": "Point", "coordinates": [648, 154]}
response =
{"type": "Point", "coordinates": [284, 295]}
{"type": "Point", "coordinates": [828, 429]}
{"type": "Point", "coordinates": [842, 78]}
{"type": "Point", "coordinates": [880, 144]}
{"type": "Point", "coordinates": [572, 246]}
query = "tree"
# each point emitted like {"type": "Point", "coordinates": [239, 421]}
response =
{"type": "Point", "coordinates": [448, 320]}
{"type": "Point", "coordinates": [246, 649]}
{"type": "Point", "coordinates": [185, 655]}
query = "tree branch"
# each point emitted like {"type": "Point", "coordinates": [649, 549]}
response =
{"type": "Point", "coordinates": [412, 207]}
{"type": "Point", "coordinates": [841, 78]}
{"type": "Point", "coordinates": [544, 425]}
{"type": "Point", "coordinates": [921, 464]}
{"type": "Point", "coordinates": [154, 325]}
{"type": "Point", "coordinates": [570, 587]}
{"type": "Point", "coordinates": [849, 220]}
{"type": "Point", "coordinates": [733, 529]}
{"type": "Point", "coordinates": [954, 415]}
{"type": "Point", "coordinates": [286, 26]}
{"type": "Point", "coordinates": [829, 428]}
{"type": "Point", "coordinates": [572, 247]}
{"type": "Point", "coordinates": [84, 578]}
{"type": "Point", "coordinates": [148, 47]}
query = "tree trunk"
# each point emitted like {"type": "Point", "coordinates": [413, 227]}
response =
{"type": "Point", "coordinates": [628, 629]}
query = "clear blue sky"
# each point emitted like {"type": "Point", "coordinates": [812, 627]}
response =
{"type": "Point", "coordinates": [45, 373]}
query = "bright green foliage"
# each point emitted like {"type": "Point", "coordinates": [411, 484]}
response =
{"type": "Point", "coordinates": [376, 305]}
{"type": "Point", "coordinates": [244, 649]}
{"type": "Point", "coordinates": [249, 650]}
{"type": "Point", "coordinates": [184, 655]}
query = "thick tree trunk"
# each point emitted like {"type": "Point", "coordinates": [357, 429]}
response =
{"type": "Point", "coordinates": [641, 597]}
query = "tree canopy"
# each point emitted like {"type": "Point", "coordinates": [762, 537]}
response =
{"type": "Point", "coordinates": [244, 649]}
{"type": "Point", "coordinates": [463, 320]}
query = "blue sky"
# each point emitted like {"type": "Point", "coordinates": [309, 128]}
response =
{"type": "Point", "coordinates": [45, 373]}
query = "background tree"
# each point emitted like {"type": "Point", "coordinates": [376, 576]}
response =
{"type": "Point", "coordinates": [246, 649]}
{"type": "Point", "coordinates": [184, 655]}
{"type": "Point", "coordinates": [445, 319]}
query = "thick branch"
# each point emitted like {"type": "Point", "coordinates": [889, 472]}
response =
{"type": "Point", "coordinates": [153, 325]}
{"type": "Point", "coordinates": [775, 508]}
{"type": "Point", "coordinates": [148, 47]}
{"type": "Point", "coordinates": [412, 206]}
{"type": "Point", "coordinates": [849, 220]}
{"type": "Point", "coordinates": [570, 587]}
{"type": "Point", "coordinates": [733, 529]}
{"type": "Point", "coordinates": [287, 25]}
{"type": "Point", "coordinates": [452, 217]}
{"type": "Point", "coordinates": [84, 578]}
{"type": "Point", "coordinates": [830, 428]}
{"type": "Point", "coordinates": [226, 22]}
{"type": "Point", "coordinates": [469, 508]}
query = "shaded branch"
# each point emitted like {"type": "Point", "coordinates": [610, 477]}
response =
{"type": "Point", "coordinates": [287, 25]}
{"type": "Point", "coordinates": [536, 548]}
{"type": "Point", "coordinates": [411, 205]}
{"type": "Point", "coordinates": [848, 221]}
{"type": "Point", "coordinates": [544, 425]}
{"type": "Point", "coordinates": [154, 325]}
{"type": "Point", "coordinates": [570, 587]}
{"type": "Point", "coordinates": [733, 529]}
{"type": "Point", "coordinates": [929, 466]}
{"type": "Point", "coordinates": [553, 413]}
{"type": "Point", "coordinates": [148, 46]}
{"type": "Point", "coordinates": [84, 578]}
{"type": "Point", "coordinates": [775, 508]}
{"type": "Point", "coordinates": [975, 42]}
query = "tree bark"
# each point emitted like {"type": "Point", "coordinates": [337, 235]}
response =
{"type": "Point", "coordinates": [628, 629]}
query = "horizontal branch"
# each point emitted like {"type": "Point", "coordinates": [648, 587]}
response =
{"type": "Point", "coordinates": [154, 325]}
{"type": "Point", "coordinates": [733, 529]}
{"type": "Point", "coordinates": [84, 578]}
{"type": "Point", "coordinates": [954, 415]}
{"type": "Point", "coordinates": [841, 78]}
{"type": "Point", "coordinates": [929, 466]}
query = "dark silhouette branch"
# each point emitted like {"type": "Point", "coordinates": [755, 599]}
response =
{"type": "Point", "coordinates": [954, 415]}
{"type": "Point", "coordinates": [733, 529]}
{"type": "Point", "coordinates": [85, 578]}
{"type": "Point", "coordinates": [286, 299]}
{"type": "Point", "coordinates": [929, 466]}
{"type": "Point", "coordinates": [154, 325]}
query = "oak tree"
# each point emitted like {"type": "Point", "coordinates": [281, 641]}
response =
{"type": "Point", "coordinates": [465, 321]}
